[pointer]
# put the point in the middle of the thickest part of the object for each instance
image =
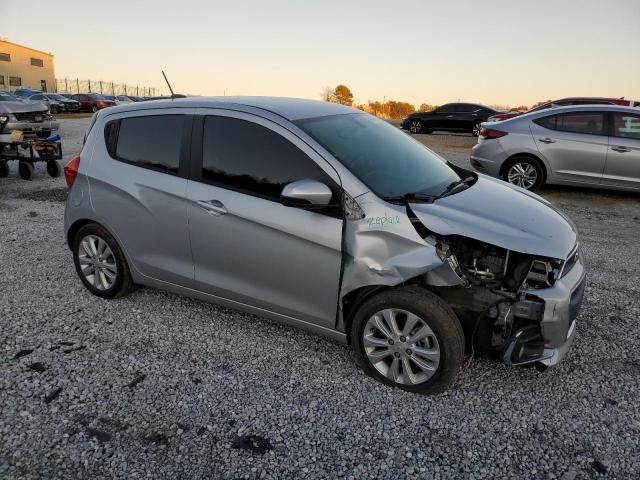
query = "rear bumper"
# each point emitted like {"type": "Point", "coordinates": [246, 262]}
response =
{"type": "Point", "coordinates": [487, 157]}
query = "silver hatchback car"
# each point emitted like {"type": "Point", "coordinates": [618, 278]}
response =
{"type": "Point", "coordinates": [324, 217]}
{"type": "Point", "coordinates": [588, 145]}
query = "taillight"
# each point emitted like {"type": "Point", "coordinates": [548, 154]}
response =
{"type": "Point", "coordinates": [71, 171]}
{"type": "Point", "coordinates": [489, 133]}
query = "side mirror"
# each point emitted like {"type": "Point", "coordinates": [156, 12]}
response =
{"type": "Point", "coordinates": [307, 194]}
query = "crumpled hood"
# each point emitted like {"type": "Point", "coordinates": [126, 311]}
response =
{"type": "Point", "coordinates": [498, 213]}
{"type": "Point", "coordinates": [21, 107]}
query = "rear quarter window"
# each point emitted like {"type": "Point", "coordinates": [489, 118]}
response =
{"type": "Point", "coordinates": [151, 141]}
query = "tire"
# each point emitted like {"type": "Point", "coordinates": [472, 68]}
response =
{"type": "Point", "coordinates": [94, 109]}
{"type": "Point", "coordinates": [4, 169]}
{"type": "Point", "coordinates": [525, 172]}
{"type": "Point", "coordinates": [415, 126]}
{"type": "Point", "coordinates": [25, 169]}
{"type": "Point", "coordinates": [443, 335]}
{"type": "Point", "coordinates": [87, 255]}
{"type": "Point", "coordinates": [54, 168]}
{"type": "Point", "coordinates": [475, 129]}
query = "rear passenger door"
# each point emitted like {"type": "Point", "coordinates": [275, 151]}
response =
{"type": "Point", "coordinates": [138, 189]}
{"type": "Point", "coordinates": [247, 246]}
{"type": "Point", "coordinates": [574, 145]}
{"type": "Point", "coordinates": [623, 158]}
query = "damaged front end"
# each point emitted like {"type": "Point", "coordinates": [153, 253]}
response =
{"type": "Point", "coordinates": [517, 304]}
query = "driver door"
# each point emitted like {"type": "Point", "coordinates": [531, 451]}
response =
{"type": "Point", "coordinates": [247, 246]}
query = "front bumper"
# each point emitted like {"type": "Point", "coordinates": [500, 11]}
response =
{"type": "Point", "coordinates": [562, 304]}
{"type": "Point", "coordinates": [31, 127]}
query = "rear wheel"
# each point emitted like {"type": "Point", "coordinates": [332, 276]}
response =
{"type": "Point", "coordinates": [94, 109]}
{"type": "Point", "coordinates": [25, 170]}
{"type": "Point", "coordinates": [524, 172]}
{"type": "Point", "coordinates": [475, 130]}
{"type": "Point", "coordinates": [4, 169]}
{"type": "Point", "coordinates": [408, 338]}
{"type": "Point", "coordinates": [100, 263]}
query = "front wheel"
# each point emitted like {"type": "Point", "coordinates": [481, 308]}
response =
{"type": "Point", "coordinates": [408, 338]}
{"type": "Point", "coordinates": [524, 172]}
{"type": "Point", "coordinates": [94, 109]}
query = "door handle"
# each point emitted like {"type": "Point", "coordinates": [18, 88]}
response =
{"type": "Point", "coordinates": [547, 140]}
{"type": "Point", "coordinates": [621, 149]}
{"type": "Point", "coordinates": [214, 207]}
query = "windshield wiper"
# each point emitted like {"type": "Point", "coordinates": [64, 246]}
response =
{"type": "Point", "coordinates": [456, 187]}
{"type": "Point", "coordinates": [421, 197]}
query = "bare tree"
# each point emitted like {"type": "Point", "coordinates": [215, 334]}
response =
{"type": "Point", "coordinates": [327, 94]}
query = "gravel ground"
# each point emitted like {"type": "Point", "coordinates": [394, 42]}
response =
{"type": "Point", "coordinates": [157, 385]}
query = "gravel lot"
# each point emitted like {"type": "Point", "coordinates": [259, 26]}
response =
{"type": "Point", "coordinates": [160, 386]}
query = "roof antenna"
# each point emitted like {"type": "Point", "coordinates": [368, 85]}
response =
{"type": "Point", "coordinates": [169, 85]}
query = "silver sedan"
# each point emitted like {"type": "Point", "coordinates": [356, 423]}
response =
{"type": "Point", "coordinates": [587, 145]}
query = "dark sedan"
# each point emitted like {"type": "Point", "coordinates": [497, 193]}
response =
{"type": "Point", "coordinates": [452, 117]}
{"type": "Point", "coordinates": [92, 102]}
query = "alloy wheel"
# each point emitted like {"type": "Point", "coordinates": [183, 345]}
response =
{"type": "Point", "coordinates": [97, 262]}
{"type": "Point", "coordinates": [522, 174]}
{"type": "Point", "coordinates": [477, 127]}
{"type": "Point", "coordinates": [415, 126]}
{"type": "Point", "coordinates": [401, 346]}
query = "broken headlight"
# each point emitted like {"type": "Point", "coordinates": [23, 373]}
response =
{"type": "Point", "coordinates": [543, 273]}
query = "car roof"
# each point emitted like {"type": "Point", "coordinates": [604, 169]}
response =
{"type": "Point", "coordinates": [575, 108]}
{"type": "Point", "coordinates": [289, 108]}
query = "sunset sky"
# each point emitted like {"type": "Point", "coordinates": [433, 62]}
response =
{"type": "Point", "coordinates": [493, 52]}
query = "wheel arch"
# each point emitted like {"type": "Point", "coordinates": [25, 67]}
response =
{"type": "Point", "coordinates": [353, 300]}
{"type": "Point", "coordinates": [545, 168]}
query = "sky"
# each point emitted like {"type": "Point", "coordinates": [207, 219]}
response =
{"type": "Point", "coordinates": [506, 52]}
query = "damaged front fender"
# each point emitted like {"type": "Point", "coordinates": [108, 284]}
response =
{"type": "Point", "coordinates": [383, 248]}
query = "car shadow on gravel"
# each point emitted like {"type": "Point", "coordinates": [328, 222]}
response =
{"type": "Point", "coordinates": [50, 195]}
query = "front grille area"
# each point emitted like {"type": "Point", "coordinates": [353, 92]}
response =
{"type": "Point", "coordinates": [576, 300]}
{"type": "Point", "coordinates": [29, 116]}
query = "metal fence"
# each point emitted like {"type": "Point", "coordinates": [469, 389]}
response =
{"type": "Point", "coordinates": [75, 85]}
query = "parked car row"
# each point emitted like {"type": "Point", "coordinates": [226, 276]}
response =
{"type": "Point", "coordinates": [585, 145]}
{"type": "Point", "coordinates": [590, 141]}
{"type": "Point", "coordinates": [32, 118]}
{"type": "Point", "coordinates": [70, 103]}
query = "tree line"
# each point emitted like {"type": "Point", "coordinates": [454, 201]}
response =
{"type": "Point", "coordinates": [391, 108]}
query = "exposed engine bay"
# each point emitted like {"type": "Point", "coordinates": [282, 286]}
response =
{"type": "Point", "coordinates": [492, 296]}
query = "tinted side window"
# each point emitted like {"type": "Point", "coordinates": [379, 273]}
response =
{"type": "Point", "coordinates": [448, 108]}
{"type": "Point", "coordinates": [467, 108]}
{"type": "Point", "coordinates": [547, 122]}
{"type": "Point", "coordinates": [591, 123]}
{"type": "Point", "coordinates": [249, 157]}
{"type": "Point", "coordinates": [626, 125]}
{"type": "Point", "coordinates": [152, 141]}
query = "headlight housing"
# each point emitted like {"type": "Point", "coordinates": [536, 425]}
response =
{"type": "Point", "coordinates": [543, 273]}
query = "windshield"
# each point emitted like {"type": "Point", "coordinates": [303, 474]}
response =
{"type": "Point", "coordinates": [5, 97]}
{"type": "Point", "coordinates": [56, 97]}
{"type": "Point", "coordinates": [384, 158]}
